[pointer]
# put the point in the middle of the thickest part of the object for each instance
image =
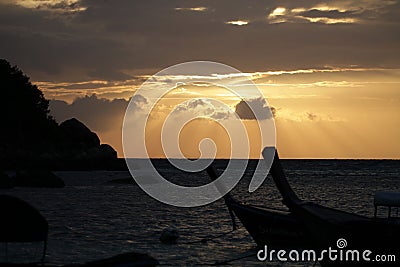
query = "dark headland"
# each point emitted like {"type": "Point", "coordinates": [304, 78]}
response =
{"type": "Point", "coordinates": [31, 138]}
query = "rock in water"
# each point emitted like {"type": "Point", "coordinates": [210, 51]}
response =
{"type": "Point", "coordinates": [169, 236]}
{"type": "Point", "coordinates": [78, 134]}
{"type": "Point", "coordinates": [108, 151]}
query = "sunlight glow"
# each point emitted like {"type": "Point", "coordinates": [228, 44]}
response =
{"type": "Point", "coordinates": [313, 106]}
{"type": "Point", "coordinates": [237, 22]}
{"type": "Point", "coordinates": [60, 6]}
{"type": "Point", "coordinates": [196, 9]}
{"type": "Point", "coordinates": [298, 10]}
{"type": "Point", "coordinates": [330, 20]}
{"type": "Point", "coordinates": [279, 11]}
{"type": "Point", "coordinates": [324, 7]}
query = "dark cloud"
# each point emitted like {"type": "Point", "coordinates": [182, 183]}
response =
{"type": "Point", "coordinates": [107, 39]}
{"type": "Point", "coordinates": [137, 102]}
{"type": "Point", "coordinates": [196, 102]}
{"type": "Point", "coordinates": [99, 114]}
{"type": "Point", "coordinates": [311, 116]}
{"type": "Point", "coordinates": [107, 74]}
{"type": "Point", "coordinates": [248, 109]}
{"type": "Point", "coordinates": [103, 116]}
{"type": "Point", "coordinates": [332, 14]}
{"type": "Point", "coordinates": [60, 6]}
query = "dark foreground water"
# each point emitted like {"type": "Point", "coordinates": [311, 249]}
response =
{"type": "Point", "coordinates": [91, 218]}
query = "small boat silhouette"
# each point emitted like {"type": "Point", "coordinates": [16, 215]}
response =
{"type": "Point", "coordinates": [310, 225]}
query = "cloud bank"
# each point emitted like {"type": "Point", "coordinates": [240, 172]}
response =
{"type": "Point", "coordinates": [81, 40]}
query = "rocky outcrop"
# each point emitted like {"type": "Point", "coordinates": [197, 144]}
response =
{"type": "Point", "coordinates": [82, 148]}
{"type": "Point", "coordinates": [107, 151]}
{"type": "Point", "coordinates": [31, 138]}
{"type": "Point", "coordinates": [78, 135]}
{"type": "Point", "coordinates": [73, 146]}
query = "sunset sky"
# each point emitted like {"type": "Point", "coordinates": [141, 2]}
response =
{"type": "Point", "coordinates": [330, 69]}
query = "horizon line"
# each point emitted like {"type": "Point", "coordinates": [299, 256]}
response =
{"type": "Point", "coordinates": [262, 158]}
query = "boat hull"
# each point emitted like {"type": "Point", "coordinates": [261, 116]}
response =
{"type": "Point", "coordinates": [276, 229]}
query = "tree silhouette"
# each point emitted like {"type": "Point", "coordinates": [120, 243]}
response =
{"type": "Point", "coordinates": [31, 138]}
{"type": "Point", "coordinates": [24, 112]}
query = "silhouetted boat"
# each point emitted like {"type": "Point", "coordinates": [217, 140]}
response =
{"type": "Point", "coordinates": [275, 227]}
{"type": "Point", "coordinates": [309, 225]}
{"type": "Point", "coordinates": [325, 226]}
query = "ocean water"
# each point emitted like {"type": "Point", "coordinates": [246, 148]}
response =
{"type": "Point", "coordinates": [92, 218]}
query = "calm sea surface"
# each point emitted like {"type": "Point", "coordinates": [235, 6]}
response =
{"type": "Point", "coordinates": [92, 219]}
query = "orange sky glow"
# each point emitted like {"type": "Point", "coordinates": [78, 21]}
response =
{"type": "Point", "coordinates": [330, 69]}
{"type": "Point", "coordinates": [350, 113]}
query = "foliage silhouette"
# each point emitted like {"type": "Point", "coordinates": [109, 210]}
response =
{"type": "Point", "coordinates": [31, 138]}
{"type": "Point", "coordinates": [24, 112]}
